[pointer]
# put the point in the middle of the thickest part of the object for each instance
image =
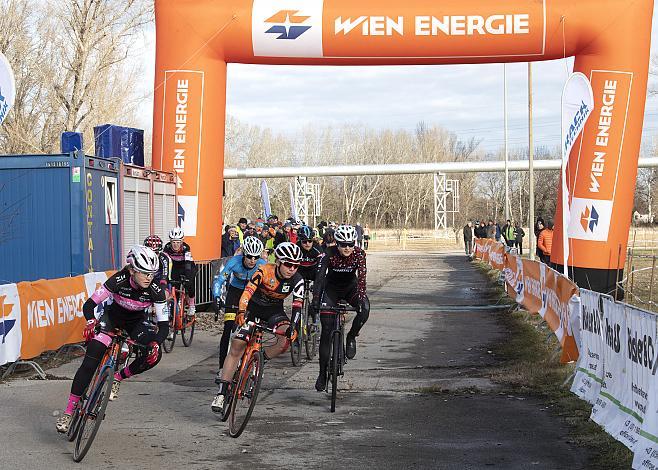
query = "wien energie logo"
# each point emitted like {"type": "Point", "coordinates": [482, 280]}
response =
{"type": "Point", "coordinates": [287, 24]}
{"type": "Point", "coordinates": [589, 219]}
{"type": "Point", "coordinates": [5, 325]}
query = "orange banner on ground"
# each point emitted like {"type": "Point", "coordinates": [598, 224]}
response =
{"type": "Point", "coordinates": [538, 288]}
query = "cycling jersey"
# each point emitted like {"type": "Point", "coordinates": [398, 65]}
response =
{"type": "Point", "coordinates": [182, 265]}
{"type": "Point", "coordinates": [308, 266]}
{"type": "Point", "coordinates": [162, 277]}
{"type": "Point", "coordinates": [235, 271]}
{"type": "Point", "coordinates": [267, 289]}
{"type": "Point", "coordinates": [341, 271]}
{"type": "Point", "coordinates": [128, 300]}
{"type": "Point", "coordinates": [179, 258]}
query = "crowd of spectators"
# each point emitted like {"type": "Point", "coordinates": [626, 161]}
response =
{"type": "Point", "coordinates": [272, 231]}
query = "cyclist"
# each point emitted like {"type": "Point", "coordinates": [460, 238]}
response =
{"type": "Point", "coordinates": [182, 264]}
{"type": "Point", "coordinates": [263, 298]}
{"type": "Point", "coordinates": [132, 292]}
{"type": "Point", "coordinates": [162, 276]}
{"type": "Point", "coordinates": [311, 256]}
{"type": "Point", "coordinates": [237, 271]}
{"type": "Point", "coordinates": [337, 279]}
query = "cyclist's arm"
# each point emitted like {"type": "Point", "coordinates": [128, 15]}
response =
{"type": "Point", "coordinates": [162, 319]}
{"type": "Point", "coordinates": [252, 285]}
{"type": "Point", "coordinates": [222, 277]}
{"type": "Point", "coordinates": [320, 276]}
{"type": "Point", "coordinates": [297, 302]}
{"type": "Point", "coordinates": [101, 294]}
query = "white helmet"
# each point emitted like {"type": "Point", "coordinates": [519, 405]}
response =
{"type": "Point", "coordinates": [176, 233]}
{"type": "Point", "coordinates": [252, 246]}
{"type": "Point", "coordinates": [143, 259]}
{"type": "Point", "coordinates": [287, 251]}
{"type": "Point", "coordinates": [345, 234]}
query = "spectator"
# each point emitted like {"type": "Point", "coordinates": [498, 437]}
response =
{"type": "Point", "coordinates": [366, 237]}
{"type": "Point", "coordinates": [508, 233]}
{"type": "Point", "coordinates": [359, 235]}
{"type": "Point", "coordinates": [491, 230]}
{"type": "Point", "coordinates": [498, 232]}
{"type": "Point", "coordinates": [518, 237]}
{"type": "Point", "coordinates": [480, 230]}
{"type": "Point", "coordinates": [241, 227]}
{"type": "Point", "coordinates": [468, 238]}
{"type": "Point", "coordinates": [230, 241]}
{"type": "Point", "coordinates": [539, 226]}
{"type": "Point", "coordinates": [545, 243]}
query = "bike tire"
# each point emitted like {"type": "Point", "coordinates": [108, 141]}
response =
{"type": "Point", "coordinates": [311, 340]}
{"type": "Point", "coordinates": [187, 332]}
{"type": "Point", "coordinates": [72, 433]}
{"type": "Point", "coordinates": [168, 344]}
{"type": "Point", "coordinates": [249, 380]}
{"type": "Point", "coordinates": [335, 367]}
{"type": "Point", "coordinates": [296, 347]}
{"type": "Point", "coordinates": [101, 397]}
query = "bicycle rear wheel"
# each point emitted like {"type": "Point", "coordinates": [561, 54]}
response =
{"type": "Point", "coordinates": [170, 340]}
{"type": "Point", "coordinates": [94, 413]}
{"type": "Point", "coordinates": [311, 339]}
{"type": "Point", "coordinates": [245, 394]}
{"type": "Point", "coordinates": [334, 367]}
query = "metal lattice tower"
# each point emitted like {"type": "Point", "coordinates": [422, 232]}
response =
{"type": "Point", "coordinates": [303, 192]}
{"type": "Point", "coordinates": [444, 205]}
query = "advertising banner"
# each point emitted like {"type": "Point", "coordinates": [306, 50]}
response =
{"type": "Point", "coordinates": [10, 324]}
{"type": "Point", "coordinates": [7, 87]}
{"type": "Point", "coordinates": [265, 197]}
{"type": "Point", "coordinates": [589, 370]}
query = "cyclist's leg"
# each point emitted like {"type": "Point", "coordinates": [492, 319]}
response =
{"type": "Point", "coordinates": [232, 298]}
{"type": "Point", "coordinates": [277, 320]}
{"type": "Point", "coordinates": [143, 332]}
{"type": "Point", "coordinates": [238, 346]}
{"type": "Point", "coordinates": [362, 314]}
{"type": "Point", "coordinates": [190, 291]}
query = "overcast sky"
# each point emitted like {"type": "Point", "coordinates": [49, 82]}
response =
{"type": "Point", "coordinates": [466, 99]}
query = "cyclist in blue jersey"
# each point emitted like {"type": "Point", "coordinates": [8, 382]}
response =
{"type": "Point", "coordinates": [237, 271]}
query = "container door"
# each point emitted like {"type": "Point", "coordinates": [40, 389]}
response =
{"type": "Point", "coordinates": [35, 218]}
{"type": "Point", "coordinates": [164, 208]}
{"type": "Point", "coordinates": [136, 212]}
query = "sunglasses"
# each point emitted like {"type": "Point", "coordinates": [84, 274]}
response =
{"type": "Point", "coordinates": [251, 257]}
{"type": "Point", "coordinates": [146, 275]}
{"type": "Point", "coordinates": [307, 241]}
{"type": "Point", "coordinates": [290, 265]}
{"type": "Point", "coordinates": [346, 245]}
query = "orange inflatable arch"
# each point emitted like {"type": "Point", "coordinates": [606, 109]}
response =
{"type": "Point", "coordinates": [609, 38]}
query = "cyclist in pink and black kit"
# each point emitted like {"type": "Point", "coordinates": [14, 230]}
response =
{"type": "Point", "coordinates": [341, 276]}
{"type": "Point", "coordinates": [182, 264]}
{"type": "Point", "coordinates": [132, 292]}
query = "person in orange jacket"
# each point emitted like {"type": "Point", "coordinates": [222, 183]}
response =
{"type": "Point", "coordinates": [545, 242]}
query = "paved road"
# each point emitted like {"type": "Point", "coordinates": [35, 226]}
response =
{"type": "Point", "coordinates": [386, 418]}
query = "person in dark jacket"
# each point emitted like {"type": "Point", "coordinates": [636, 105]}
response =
{"type": "Point", "coordinates": [519, 234]}
{"type": "Point", "coordinates": [539, 226]}
{"type": "Point", "coordinates": [468, 238]}
{"type": "Point", "coordinates": [490, 230]}
{"type": "Point", "coordinates": [230, 241]}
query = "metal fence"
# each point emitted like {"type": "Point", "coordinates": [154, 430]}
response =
{"type": "Point", "coordinates": [206, 271]}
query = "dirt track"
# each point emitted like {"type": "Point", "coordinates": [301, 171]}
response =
{"type": "Point", "coordinates": [389, 413]}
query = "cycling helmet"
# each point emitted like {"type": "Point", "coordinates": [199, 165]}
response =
{"type": "Point", "coordinates": [287, 251]}
{"type": "Point", "coordinates": [153, 242]}
{"type": "Point", "coordinates": [345, 234]}
{"type": "Point", "coordinates": [252, 246]}
{"type": "Point", "coordinates": [304, 233]}
{"type": "Point", "coordinates": [143, 259]}
{"type": "Point", "coordinates": [176, 233]}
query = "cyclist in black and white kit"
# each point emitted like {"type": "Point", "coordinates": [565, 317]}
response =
{"type": "Point", "coordinates": [132, 292]}
{"type": "Point", "coordinates": [341, 276]}
{"type": "Point", "coordinates": [182, 264]}
{"type": "Point", "coordinates": [311, 256]}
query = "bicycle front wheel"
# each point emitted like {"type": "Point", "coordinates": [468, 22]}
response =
{"type": "Point", "coordinates": [336, 357]}
{"type": "Point", "coordinates": [245, 394]}
{"type": "Point", "coordinates": [296, 346]}
{"type": "Point", "coordinates": [72, 433]}
{"type": "Point", "coordinates": [187, 332]}
{"type": "Point", "coordinates": [93, 414]}
{"type": "Point", "coordinates": [170, 340]}
{"type": "Point", "coordinates": [311, 339]}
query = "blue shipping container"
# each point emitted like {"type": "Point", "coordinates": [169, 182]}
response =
{"type": "Point", "coordinates": [58, 216]}
{"type": "Point", "coordinates": [126, 143]}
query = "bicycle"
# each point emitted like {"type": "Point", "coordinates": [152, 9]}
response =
{"type": "Point", "coordinates": [337, 357]}
{"type": "Point", "coordinates": [89, 413]}
{"type": "Point", "coordinates": [178, 319]}
{"type": "Point", "coordinates": [307, 332]}
{"type": "Point", "coordinates": [243, 389]}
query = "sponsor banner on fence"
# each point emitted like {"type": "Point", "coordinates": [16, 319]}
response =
{"type": "Point", "coordinates": [51, 311]}
{"type": "Point", "coordinates": [589, 370]}
{"type": "Point", "coordinates": [539, 289]}
{"type": "Point", "coordinates": [10, 324]}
